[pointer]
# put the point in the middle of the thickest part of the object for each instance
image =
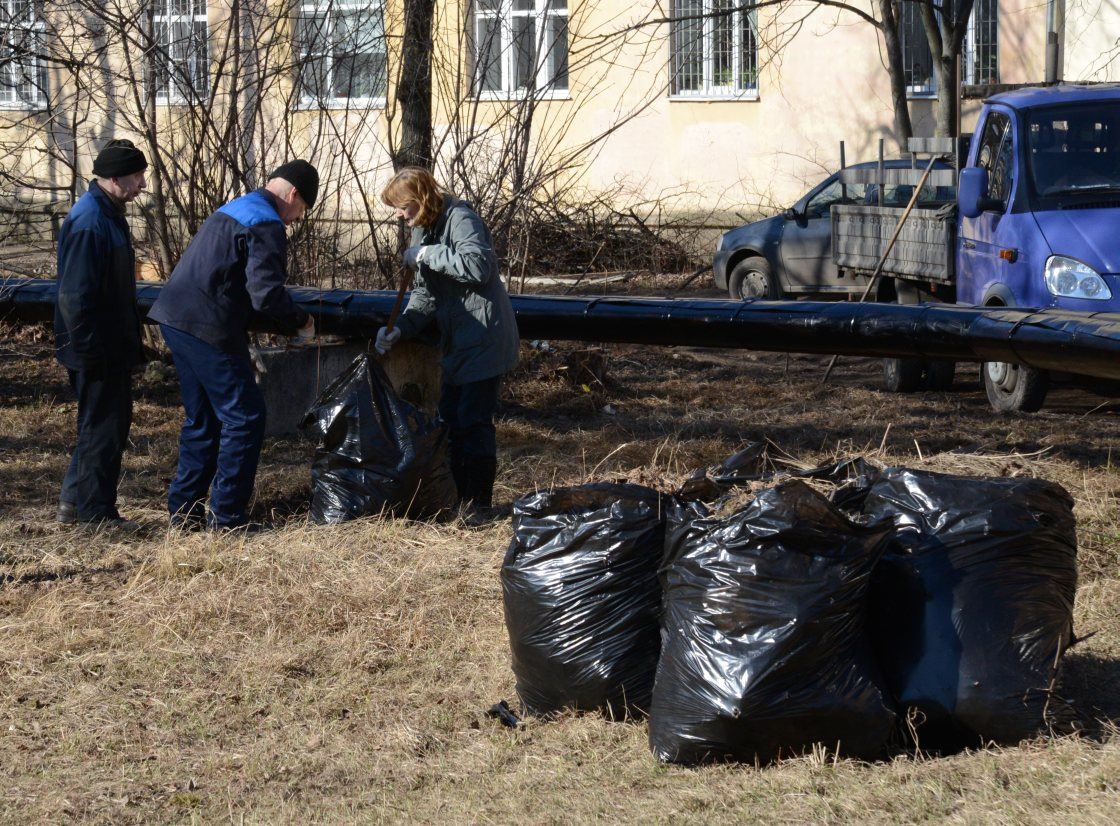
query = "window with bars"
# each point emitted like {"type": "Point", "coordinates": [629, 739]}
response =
{"type": "Point", "coordinates": [714, 48]}
{"type": "Point", "coordinates": [23, 71]}
{"type": "Point", "coordinates": [182, 59]}
{"type": "Point", "coordinates": [519, 46]}
{"type": "Point", "coordinates": [917, 60]}
{"type": "Point", "coordinates": [342, 51]}
{"type": "Point", "coordinates": [979, 57]}
{"type": "Point", "coordinates": [981, 45]}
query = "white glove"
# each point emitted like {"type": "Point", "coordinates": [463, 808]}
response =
{"type": "Point", "coordinates": [386, 339]}
{"type": "Point", "coordinates": [307, 332]}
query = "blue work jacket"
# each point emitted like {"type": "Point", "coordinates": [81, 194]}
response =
{"type": "Point", "coordinates": [96, 324]}
{"type": "Point", "coordinates": [234, 265]}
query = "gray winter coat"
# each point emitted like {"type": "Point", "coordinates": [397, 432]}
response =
{"type": "Point", "coordinates": [458, 285]}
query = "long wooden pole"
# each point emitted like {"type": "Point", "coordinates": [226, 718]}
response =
{"type": "Point", "coordinates": [406, 282]}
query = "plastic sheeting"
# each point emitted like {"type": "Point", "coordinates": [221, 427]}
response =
{"type": "Point", "coordinates": [765, 647]}
{"type": "Point", "coordinates": [377, 453]}
{"type": "Point", "coordinates": [582, 598]}
{"type": "Point", "coordinates": [973, 603]}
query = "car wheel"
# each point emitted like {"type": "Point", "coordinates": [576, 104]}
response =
{"type": "Point", "coordinates": [751, 278]}
{"type": "Point", "coordinates": [1013, 387]}
{"type": "Point", "coordinates": [902, 375]}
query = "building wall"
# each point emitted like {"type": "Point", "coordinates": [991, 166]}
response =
{"type": "Point", "coordinates": [822, 80]}
{"type": "Point", "coordinates": [1091, 47]}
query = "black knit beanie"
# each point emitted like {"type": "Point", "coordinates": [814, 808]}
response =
{"type": "Point", "coordinates": [303, 176]}
{"type": "Point", "coordinates": [119, 158]}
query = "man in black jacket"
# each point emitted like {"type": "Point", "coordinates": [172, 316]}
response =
{"type": "Point", "coordinates": [236, 264]}
{"type": "Point", "coordinates": [97, 333]}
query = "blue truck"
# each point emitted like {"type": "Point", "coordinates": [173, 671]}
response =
{"type": "Point", "coordinates": [1037, 224]}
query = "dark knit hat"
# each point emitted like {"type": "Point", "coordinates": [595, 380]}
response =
{"type": "Point", "coordinates": [119, 158]}
{"type": "Point", "coordinates": [303, 176]}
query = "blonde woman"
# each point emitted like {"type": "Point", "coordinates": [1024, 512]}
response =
{"type": "Point", "coordinates": [456, 285]}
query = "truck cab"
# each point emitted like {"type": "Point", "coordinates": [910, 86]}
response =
{"type": "Point", "coordinates": [1039, 222]}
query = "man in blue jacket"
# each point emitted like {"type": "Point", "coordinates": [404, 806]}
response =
{"type": "Point", "coordinates": [97, 333]}
{"type": "Point", "coordinates": [235, 265]}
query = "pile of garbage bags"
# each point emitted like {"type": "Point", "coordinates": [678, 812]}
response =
{"type": "Point", "coordinates": [751, 616]}
{"type": "Point", "coordinates": [377, 453]}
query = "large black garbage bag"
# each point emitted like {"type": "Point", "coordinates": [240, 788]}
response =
{"type": "Point", "coordinates": [765, 648]}
{"type": "Point", "coordinates": [377, 453]}
{"type": "Point", "coordinates": [973, 603]}
{"type": "Point", "coordinates": [581, 594]}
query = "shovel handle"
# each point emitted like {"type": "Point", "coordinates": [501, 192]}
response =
{"type": "Point", "coordinates": [406, 282]}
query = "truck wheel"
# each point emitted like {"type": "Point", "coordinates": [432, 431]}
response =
{"type": "Point", "coordinates": [751, 278]}
{"type": "Point", "coordinates": [902, 375]}
{"type": "Point", "coordinates": [1013, 387]}
{"type": "Point", "coordinates": [940, 375]}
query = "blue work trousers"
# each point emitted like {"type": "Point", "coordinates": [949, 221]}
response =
{"type": "Point", "coordinates": [223, 430]}
{"type": "Point", "coordinates": [104, 418]}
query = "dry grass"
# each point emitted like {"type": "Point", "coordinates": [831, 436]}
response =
{"type": "Point", "coordinates": [343, 673]}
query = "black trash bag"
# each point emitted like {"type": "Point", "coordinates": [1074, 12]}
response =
{"type": "Point", "coordinates": [765, 650]}
{"type": "Point", "coordinates": [582, 598]}
{"type": "Point", "coordinates": [972, 605]}
{"type": "Point", "coordinates": [377, 453]}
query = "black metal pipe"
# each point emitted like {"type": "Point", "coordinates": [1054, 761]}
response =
{"type": "Point", "coordinates": [1059, 340]}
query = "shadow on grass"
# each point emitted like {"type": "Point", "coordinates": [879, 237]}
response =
{"type": "Point", "coordinates": [1089, 682]}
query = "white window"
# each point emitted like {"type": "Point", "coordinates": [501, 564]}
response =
{"type": "Point", "coordinates": [979, 57]}
{"type": "Point", "coordinates": [182, 63]}
{"type": "Point", "coordinates": [981, 45]}
{"type": "Point", "coordinates": [519, 45]}
{"type": "Point", "coordinates": [714, 48]}
{"type": "Point", "coordinates": [341, 53]}
{"type": "Point", "coordinates": [917, 60]}
{"type": "Point", "coordinates": [23, 72]}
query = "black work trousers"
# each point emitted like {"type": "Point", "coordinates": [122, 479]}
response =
{"type": "Point", "coordinates": [468, 410]}
{"type": "Point", "coordinates": [104, 419]}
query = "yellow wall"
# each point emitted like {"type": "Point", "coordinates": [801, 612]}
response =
{"type": "Point", "coordinates": [709, 159]}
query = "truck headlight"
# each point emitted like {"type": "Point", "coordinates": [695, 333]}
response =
{"type": "Point", "coordinates": [1070, 278]}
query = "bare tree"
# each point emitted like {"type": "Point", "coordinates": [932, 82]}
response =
{"type": "Point", "coordinates": [946, 24]}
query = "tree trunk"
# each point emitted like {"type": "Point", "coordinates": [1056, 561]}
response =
{"type": "Point", "coordinates": [890, 14]}
{"type": "Point", "coordinates": [165, 247]}
{"type": "Point", "coordinates": [414, 90]}
{"type": "Point", "coordinates": [947, 91]}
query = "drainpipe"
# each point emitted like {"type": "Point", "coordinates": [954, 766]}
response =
{"type": "Point", "coordinates": [1055, 26]}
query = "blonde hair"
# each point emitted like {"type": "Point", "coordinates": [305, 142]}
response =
{"type": "Point", "coordinates": [414, 184]}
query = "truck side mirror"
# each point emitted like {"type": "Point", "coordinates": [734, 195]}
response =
{"type": "Point", "coordinates": [972, 193]}
{"type": "Point", "coordinates": [790, 214]}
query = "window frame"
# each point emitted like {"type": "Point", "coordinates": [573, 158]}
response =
{"type": "Point", "coordinates": [914, 91]}
{"type": "Point", "coordinates": [172, 93]}
{"type": "Point", "coordinates": [35, 67]}
{"type": "Point", "coordinates": [330, 8]}
{"type": "Point", "coordinates": [544, 87]}
{"type": "Point", "coordinates": [969, 47]}
{"type": "Point", "coordinates": [710, 91]}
